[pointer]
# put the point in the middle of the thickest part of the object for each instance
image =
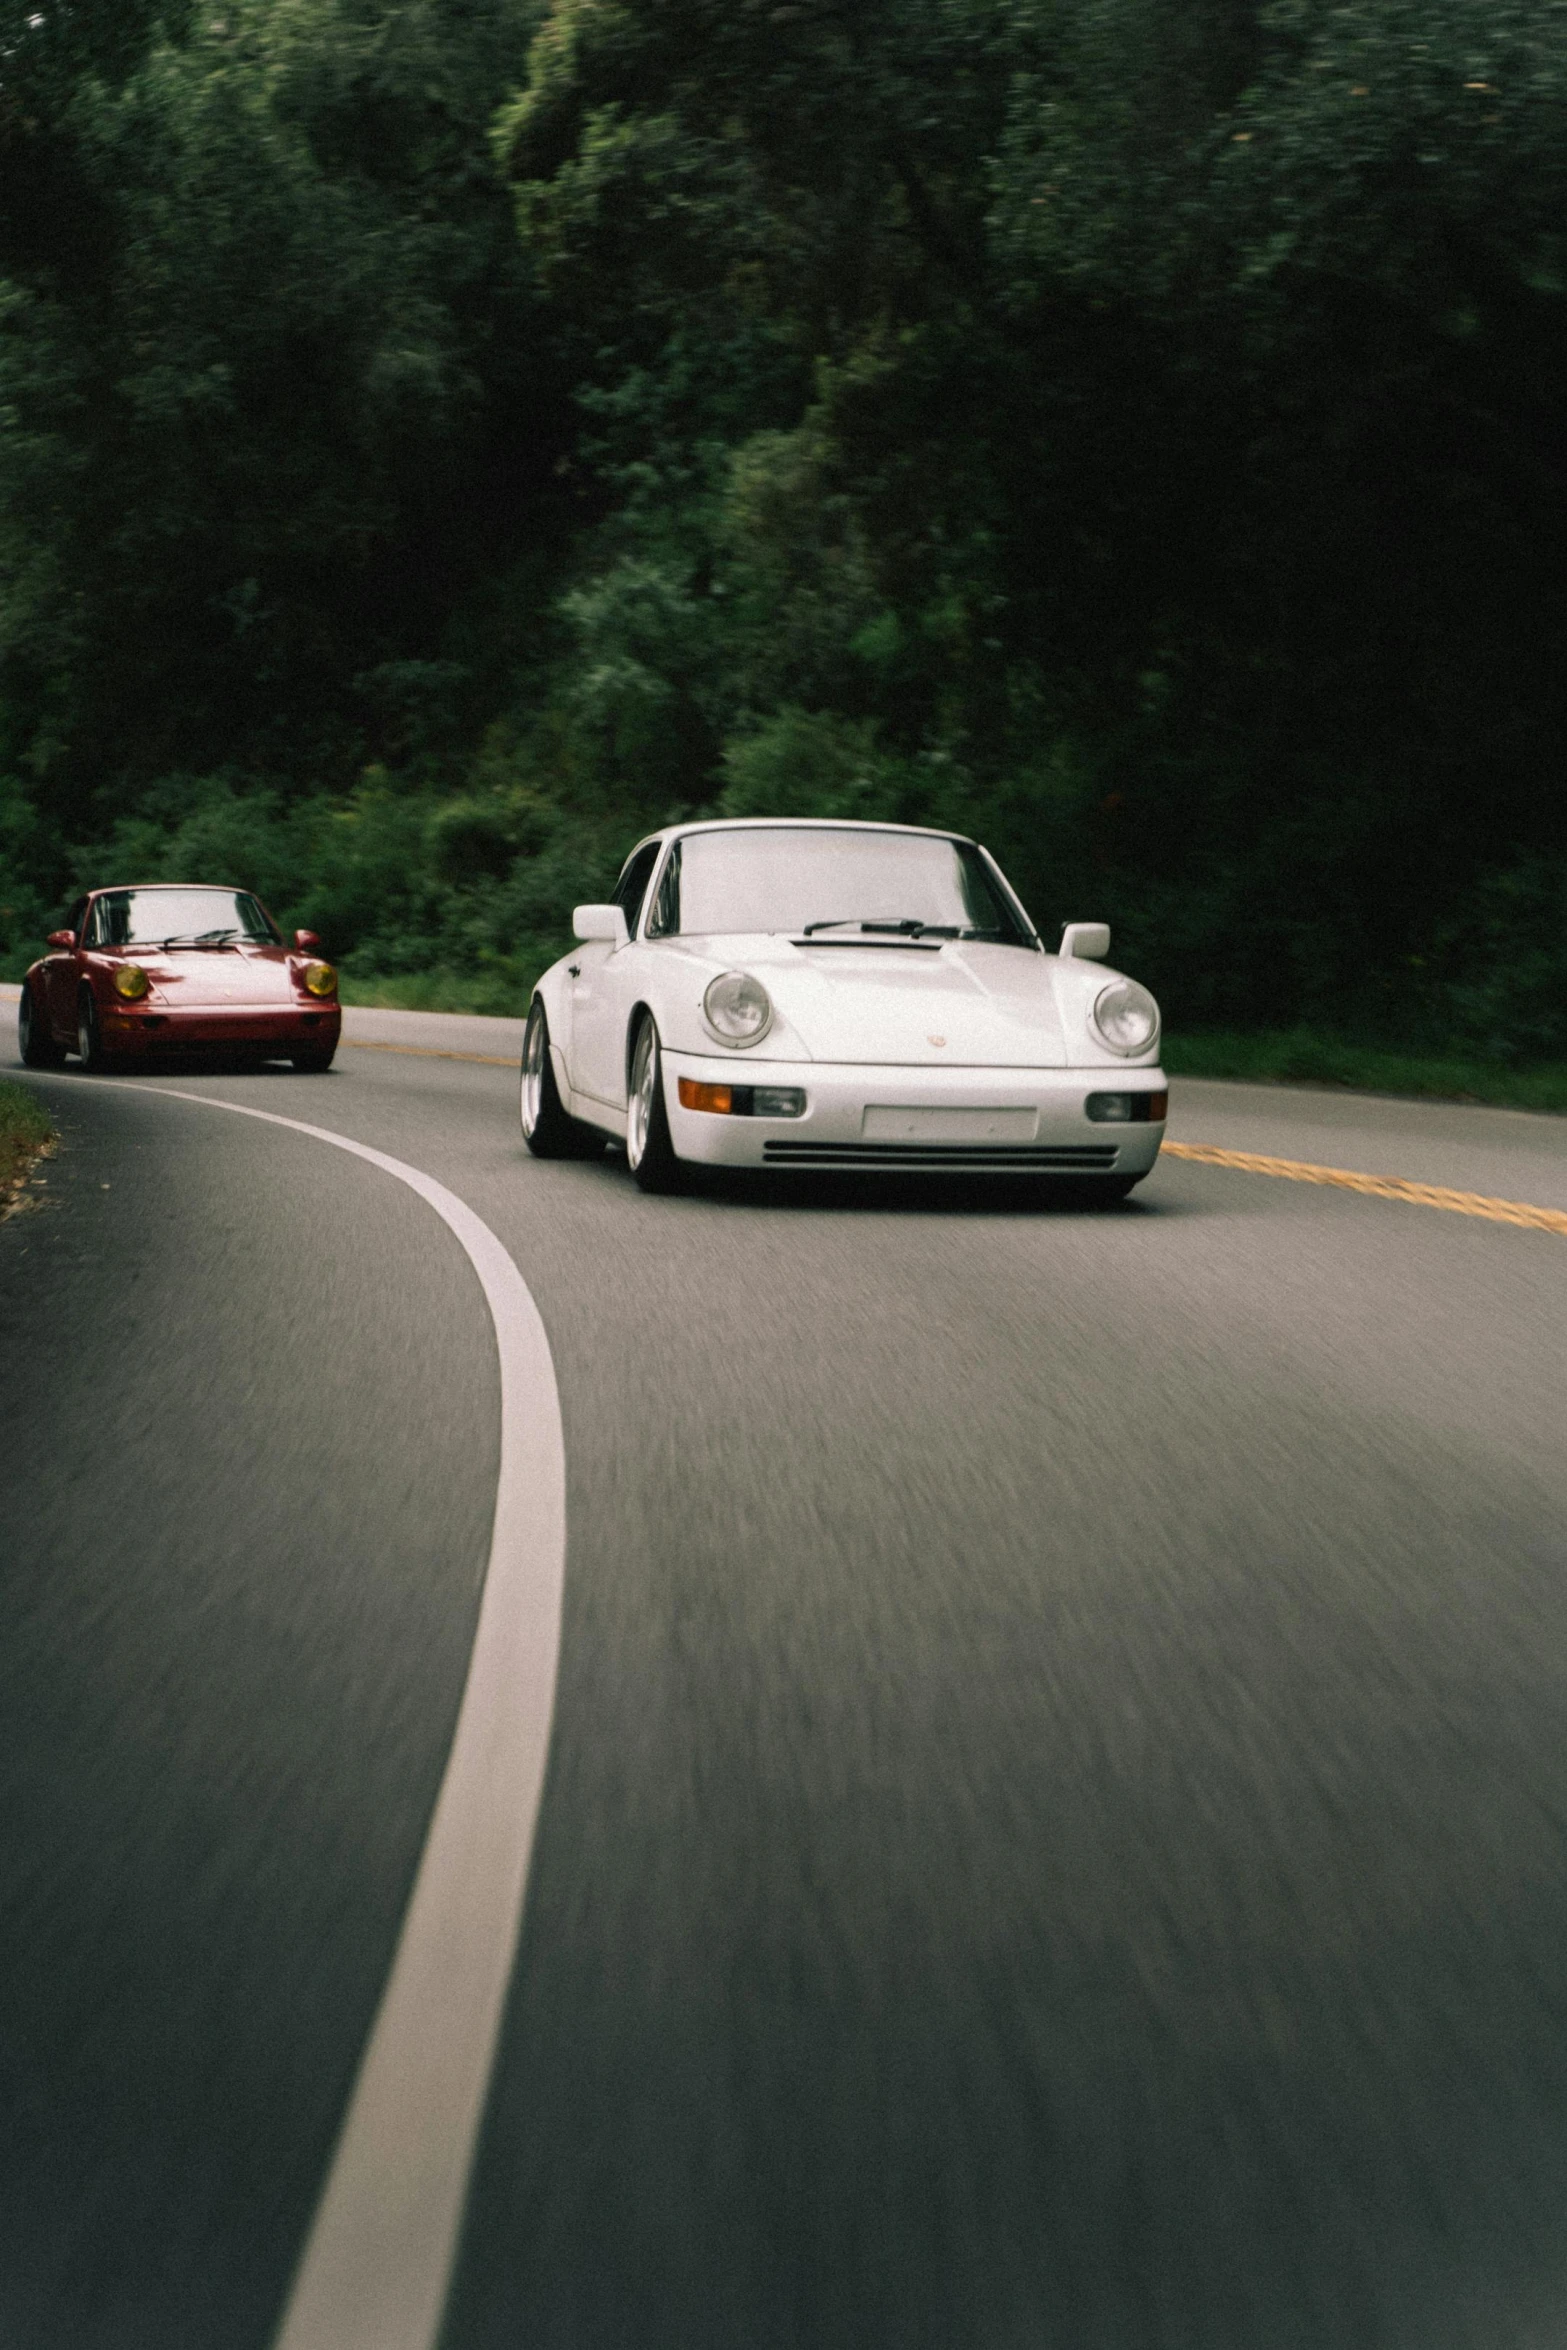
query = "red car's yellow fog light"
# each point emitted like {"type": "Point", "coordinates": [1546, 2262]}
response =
{"type": "Point", "coordinates": [696, 1096]}
{"type": "Point", "coordinates": [319, 979]}
{"type": "Point", "coordinates": [131, 982]}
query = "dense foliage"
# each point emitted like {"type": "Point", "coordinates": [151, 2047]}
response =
{"type": "Point", "coordinates": [439, 438]}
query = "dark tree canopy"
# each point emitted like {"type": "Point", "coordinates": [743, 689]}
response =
{"type": "Point", "coordinates": [438, 439]}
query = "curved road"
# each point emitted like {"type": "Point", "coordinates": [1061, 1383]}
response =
{"type": "Point", "coordinates": [1056, 1824]}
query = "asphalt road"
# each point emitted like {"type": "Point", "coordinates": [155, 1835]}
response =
{"type": "Point", "coordinates": [1056, 1829]}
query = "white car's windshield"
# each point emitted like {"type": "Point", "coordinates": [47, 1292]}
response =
{"type": "Point", "coordinates": [831, 883]}
{"type": "Point", "coordinates": [155, 917]}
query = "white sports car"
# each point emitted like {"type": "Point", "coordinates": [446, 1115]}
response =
{"type": "Point", "coordinates": [805, 993]}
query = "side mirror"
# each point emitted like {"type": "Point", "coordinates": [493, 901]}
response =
{"type": "Point", "coordinates": [306, 941]}
{"type": "Point", "coordinates": [1089, 942]}
{"type": "Point", "coordinates": [595, 922]}
{"type": "Point", "coordinates": [62, 938]}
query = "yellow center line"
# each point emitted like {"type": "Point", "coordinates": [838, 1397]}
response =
{"type": "Point", "coordinates": [1419, 1195]}
{"type": "Point", "coordinates": [431, 1052]}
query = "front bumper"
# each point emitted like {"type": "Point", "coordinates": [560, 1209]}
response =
{"type": "Point", "coordinates": [212, 1028]}
{"type": "Point", "coordinates": [895, 1119]}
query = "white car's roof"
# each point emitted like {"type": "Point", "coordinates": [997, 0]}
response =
{"type": "Point", "coordinates": [791, 824]}
{"type": "Point", "coordinates": [809, 824]}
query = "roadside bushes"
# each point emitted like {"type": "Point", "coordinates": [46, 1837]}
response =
{"type": "Point", "coordinates": [457, 899]}
{"type": "Point", "coordinates": [24, 909]}
{"type": "Point", "coordinates": [1508, 992]}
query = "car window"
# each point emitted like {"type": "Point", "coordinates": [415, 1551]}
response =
{"type": "Point", "coordinates": [73, 920]}
{"type": "Point", "coordinates": [799, 879]}
{"type": "Point", "coordinates": [664, 921]}
{"type": "Point", "coordinates": [631, 888]}
{"type": "Point", "coordinates": [151, 917]}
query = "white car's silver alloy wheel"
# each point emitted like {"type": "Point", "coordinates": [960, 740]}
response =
{"type": "Point", "coordinates": [644, 1085]}
{"type": "Point", "coordinates": [534, 1049]}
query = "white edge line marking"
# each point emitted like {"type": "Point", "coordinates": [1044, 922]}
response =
{"type": "Point", "coordinates": [377, 2263]}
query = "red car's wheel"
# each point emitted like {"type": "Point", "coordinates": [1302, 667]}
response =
{"type": "Point", "coordinates": [37, 1047]}
{"type": "Point", "coordinates": [311, 1059]}
{"type": "Point", "coordinates": [90, 1048]}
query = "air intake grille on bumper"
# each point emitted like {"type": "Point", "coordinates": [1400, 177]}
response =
{"type": "Point", "coordinates": [1023, 1157]}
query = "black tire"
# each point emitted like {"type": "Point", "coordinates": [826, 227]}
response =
{"type": "Point", "coordinates": [34, 1042]}
{"type": "Point", "coordinates": [547, 1129]}
{"type": "Point", "coordinates": [311, 1059]}
{"type": "Point", "coordinates": [649, 1152]}
{"type": "Point", "coordinates": [90, 1048]}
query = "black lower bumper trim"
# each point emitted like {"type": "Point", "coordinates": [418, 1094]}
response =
{"type": "Point", "coordinates": [1037, 1158]}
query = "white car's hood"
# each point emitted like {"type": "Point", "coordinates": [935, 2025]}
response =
{"type": "Point", "coordinates": [966, 1003]}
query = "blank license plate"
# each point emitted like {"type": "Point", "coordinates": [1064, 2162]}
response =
{"type": "Point", "coordinates": [885, 1122]}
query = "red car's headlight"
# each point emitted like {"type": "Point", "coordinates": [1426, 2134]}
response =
{"type": "Point", "coordinates": [318, 979]}
{"type": "Point", "coordinates": [131, 982]}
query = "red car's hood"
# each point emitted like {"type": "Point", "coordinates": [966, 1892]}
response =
{"type": "Point", "coordinates": [223, 975]}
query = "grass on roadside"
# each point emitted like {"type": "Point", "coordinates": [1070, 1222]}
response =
{"type": "Point", "coordinates": [1305, 1056]}
{"type": "Point", "coordinates": [502, 994]}
{"type": "Point", "coordinates": [25, 1134]}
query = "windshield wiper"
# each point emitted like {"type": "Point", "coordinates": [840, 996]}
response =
{"type": "Point", "coordinates": [908, 927]}
{"type": "Point", "coordinates": [203, 938]}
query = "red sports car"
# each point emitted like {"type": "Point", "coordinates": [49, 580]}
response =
{"type": "Point", "coordinates": [172, 968]}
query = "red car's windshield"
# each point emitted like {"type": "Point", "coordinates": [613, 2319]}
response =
{"type": "Point", "coordinates": [158, 917]}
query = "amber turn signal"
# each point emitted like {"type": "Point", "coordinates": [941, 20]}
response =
{"type": "Point", "coordinates": [743, 1101]}
{"type": "Point", "coordinates": [319, 979]}
{"type": "Point", "coordinates": [131, 982]}
{"type": "Point", "coordinates": [696, 1096]}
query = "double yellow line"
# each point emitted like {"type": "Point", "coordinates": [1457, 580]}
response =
{"type": "Point", "coordinates": [1418, 1195]}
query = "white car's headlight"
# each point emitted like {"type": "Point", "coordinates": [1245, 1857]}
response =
{"type": "Point", "coordinates": [737, 1008]}
{"type": "Point", "coordinates": [1125, 1016]}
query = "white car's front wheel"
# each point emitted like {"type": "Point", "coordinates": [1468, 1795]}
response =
{"type": "Point", "coordinates": [546, 1129]}
{"type": "Point", "coordinates": [649, 1152]}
